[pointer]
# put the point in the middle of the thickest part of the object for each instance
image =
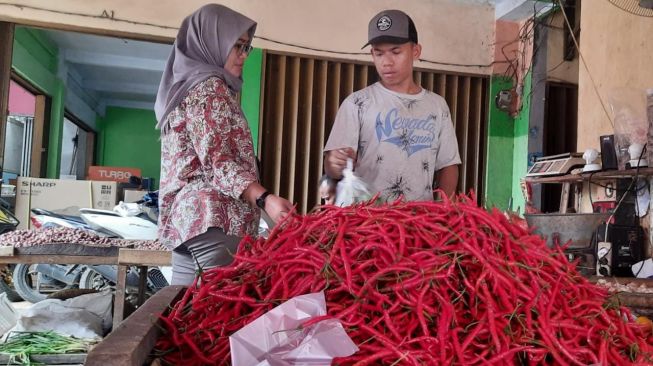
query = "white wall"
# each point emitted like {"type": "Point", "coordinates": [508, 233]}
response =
{"type": "Point", "coordinates": [618, 48]}
{"type": "Point", "coordinates": [451, 31]}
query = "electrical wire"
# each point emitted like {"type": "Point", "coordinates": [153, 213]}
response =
{"type": "Point", "coordinates": [582, 58]}
{"type": "Point", "coordinates": [546, 78]}
{"type": "Point", "coordinates": [526, 34]}
{"type": "Point", "coordinates": [589, 185]}
{"type": "Point", "coordinates": [73, 160]}
{"type": "Point", "coordinates": [311, 48]}
{"type": "Point", "coordinates": [367, 53]}
{"type": "Point", "coordinates": [623, 196]}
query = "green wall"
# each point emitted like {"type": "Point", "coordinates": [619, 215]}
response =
{"type": "Point", "coordinates": [250, 98]}
{"type": "Point", "coordinates": [500, 149]}
{"type": "Point", "coordinates": [520, 155]}
{"type": "Point", "coordinates": [127, 138]}
{"type": "Point", "coordinates": [35, 59]}
{"type": "Point", "coordinates": [507, 149]}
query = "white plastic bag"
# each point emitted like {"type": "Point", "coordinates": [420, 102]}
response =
{"type": "Point", "coordinates": [8, 315]}
{"type": "Point", "coordinates": [128, 209]}
{"type": "Point", "coordinates": [351, 189]}
{"type": "Point", "coordinates": [628, 107]}
{"type": "Point", "coordinates": [86, 316]}
{"type": "Point", "coordinates": [275, 338]}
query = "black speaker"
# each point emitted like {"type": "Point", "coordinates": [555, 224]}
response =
{"type": "Point", "coordinates": [627, 248]}
{"type": "Point", "coordinates": [608, 153]}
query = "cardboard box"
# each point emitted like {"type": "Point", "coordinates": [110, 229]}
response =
{"type": "Point", "coordinates": [133, 195]}
{"type": "Point", "coordinates": [104, 194]}
{"type": "Point", "coordinates": [112, 173]}
{"type": "Point", "coordinates": [62, 196]}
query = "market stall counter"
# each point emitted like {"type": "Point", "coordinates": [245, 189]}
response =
{"type": "Point", "coordinates": [73, 253]}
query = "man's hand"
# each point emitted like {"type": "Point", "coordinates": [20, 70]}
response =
{"type": "Point", "coordinates": [335, 161]}
{"type": "Point", "coordinates": [277, 207]}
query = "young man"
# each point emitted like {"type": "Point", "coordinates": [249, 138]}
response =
{"type": "Point", "coordinates": [398, 133]}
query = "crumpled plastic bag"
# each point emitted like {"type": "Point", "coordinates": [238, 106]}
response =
{"type": "Point", "coordinates": [351, 189]}
{"type": "Point", "coordinates": [125, 209]}
{"type": "Point", "coordinates": [643, 269]}
{"type": "Point", "coordinates": [86, 316]}
{"type": "Point", "coordinates": [8, 315]}
{"type": "Point", "coordinates": [628, 107]}
{"type": "Point", "coordinates": [277, 339]}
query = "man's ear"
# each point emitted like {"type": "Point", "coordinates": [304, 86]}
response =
{"type": "Point", "coordinates": [417, 51]}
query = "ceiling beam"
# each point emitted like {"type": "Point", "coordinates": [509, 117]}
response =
{"type": "Point", "coordinates": [128, 104]}
{"type": "Point", "coordinates": [506, 6]}
{"type": "Point", "coordinates": [75, 82]}
{"type": "Point", "coordinates": [111, 60]}
{"type": "Point", "coordinates": [119, 87]}
{"type": "Point", "coordinates": [518, 10]}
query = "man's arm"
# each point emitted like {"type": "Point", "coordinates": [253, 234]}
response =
{"type": "Point", "coordinates": [447, 179]}
{"type": "Point", "coordinates": [343, 139]}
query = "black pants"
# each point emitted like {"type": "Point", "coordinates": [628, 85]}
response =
{"type": "Point", "coordinates": [214, 248]}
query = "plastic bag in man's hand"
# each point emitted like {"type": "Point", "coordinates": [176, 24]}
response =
{"type": "Point", "coordinates": [351, 189]}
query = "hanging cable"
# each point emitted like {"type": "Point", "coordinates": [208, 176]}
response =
{"type": "Point", "coordinates": [582, 58]}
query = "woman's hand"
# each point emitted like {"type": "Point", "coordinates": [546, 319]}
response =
{"type": "Point", "coordinates": [277, 207]}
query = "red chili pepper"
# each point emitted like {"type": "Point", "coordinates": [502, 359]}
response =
{"type": "Point", "coordinates": [413, 283]}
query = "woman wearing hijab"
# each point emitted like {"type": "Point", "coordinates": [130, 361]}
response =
{"type": "Point", "coordinates": [209, 195]}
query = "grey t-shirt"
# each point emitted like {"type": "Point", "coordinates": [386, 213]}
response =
{"type": "Point", "coordinates": [401, 140]}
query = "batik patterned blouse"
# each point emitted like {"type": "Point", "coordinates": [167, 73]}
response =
{"type": "Point", "coordinates": [207, 161]}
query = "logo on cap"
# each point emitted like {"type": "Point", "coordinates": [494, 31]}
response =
{"type": "Point", "coordinates": [384, 23]}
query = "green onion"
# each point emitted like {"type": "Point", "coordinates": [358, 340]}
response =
{"type": "Point", "coordinates": [20, 345]}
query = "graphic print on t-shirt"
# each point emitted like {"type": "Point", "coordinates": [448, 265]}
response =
{"type": "Point", "coordinates": [410, 134]}
{"type": "Point", "coordinates": [400, 140]}
{"type": "Point", "coordinates": [397, 187]}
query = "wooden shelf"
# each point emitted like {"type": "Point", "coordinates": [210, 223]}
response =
{"type": "Point", "coordinates": [137, 257]}
{"type": "Point", "coordinates": [572, 178]}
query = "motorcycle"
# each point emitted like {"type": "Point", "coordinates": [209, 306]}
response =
{"type": "Point", "coordinates": [34, 282]}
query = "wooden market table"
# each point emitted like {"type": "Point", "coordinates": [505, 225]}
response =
{"type": "Point", "coordinates": [141, 259]}
{"type": "Point", "coordinates": [83, 254]}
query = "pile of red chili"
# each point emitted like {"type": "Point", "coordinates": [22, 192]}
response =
{"type": "Point", "coordinates": [418, 283]}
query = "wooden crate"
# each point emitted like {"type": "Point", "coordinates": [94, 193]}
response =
{"type": "Point", "coordinates": [132, 341]}
{"type": "Point", "coordinates": [47, 360]}
{"type": "Point", "coordinates": [634, 300]}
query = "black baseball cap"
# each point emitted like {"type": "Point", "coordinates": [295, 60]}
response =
{"type": "Point", "coordinates": [391, 26]}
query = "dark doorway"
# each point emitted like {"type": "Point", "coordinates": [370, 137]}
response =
{"type": "Point", "coordinates": [560, 133]}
